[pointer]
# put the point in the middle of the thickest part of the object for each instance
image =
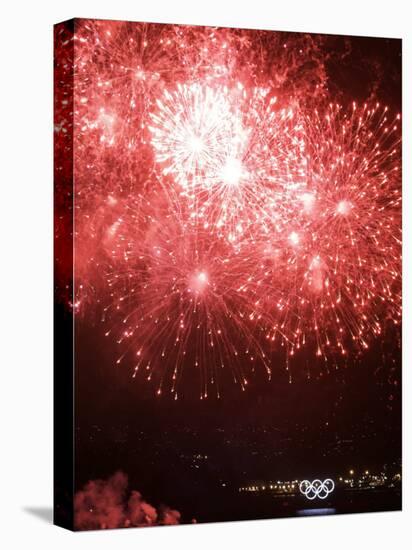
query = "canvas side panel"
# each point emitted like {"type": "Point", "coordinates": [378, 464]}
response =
{"type": "Point", "coordinates": [63, 274]}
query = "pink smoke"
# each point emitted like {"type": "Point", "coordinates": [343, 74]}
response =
{"type": "Point", "coordinates": [109, 504]}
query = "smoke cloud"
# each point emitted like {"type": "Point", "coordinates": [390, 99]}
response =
{"type": "Point", "coordinates": [110, 504]}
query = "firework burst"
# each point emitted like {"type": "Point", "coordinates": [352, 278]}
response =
{"type": "Point", "coordinates": [233, 153]}
{"type": "Point", "coordinates": [218, 216]}
{"type": "Point", "coordinates": [180, 301]}
{"type": "Point", "coordinates": [340, 260]}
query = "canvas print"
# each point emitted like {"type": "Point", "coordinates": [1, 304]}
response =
{"type": "Point", "coordinates": [227, 274]}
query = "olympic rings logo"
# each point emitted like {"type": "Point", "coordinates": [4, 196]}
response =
{"type": "Point", "coordinates": [316, 488]}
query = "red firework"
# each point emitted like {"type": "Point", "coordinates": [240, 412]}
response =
{"type": "Point", "coordinates": [232, 152]}
{"type": "Point", "coordinates": [344, 256]}
{"type": "Point", "coordinates": [216, 224]}
{"type": "Point", "coordinates": [179, 301]}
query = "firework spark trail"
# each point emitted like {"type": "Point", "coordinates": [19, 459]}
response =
{"type": "Point", "coordinates": [180, 301]}
{"type": "Point", "coordinates": [218, 222]}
